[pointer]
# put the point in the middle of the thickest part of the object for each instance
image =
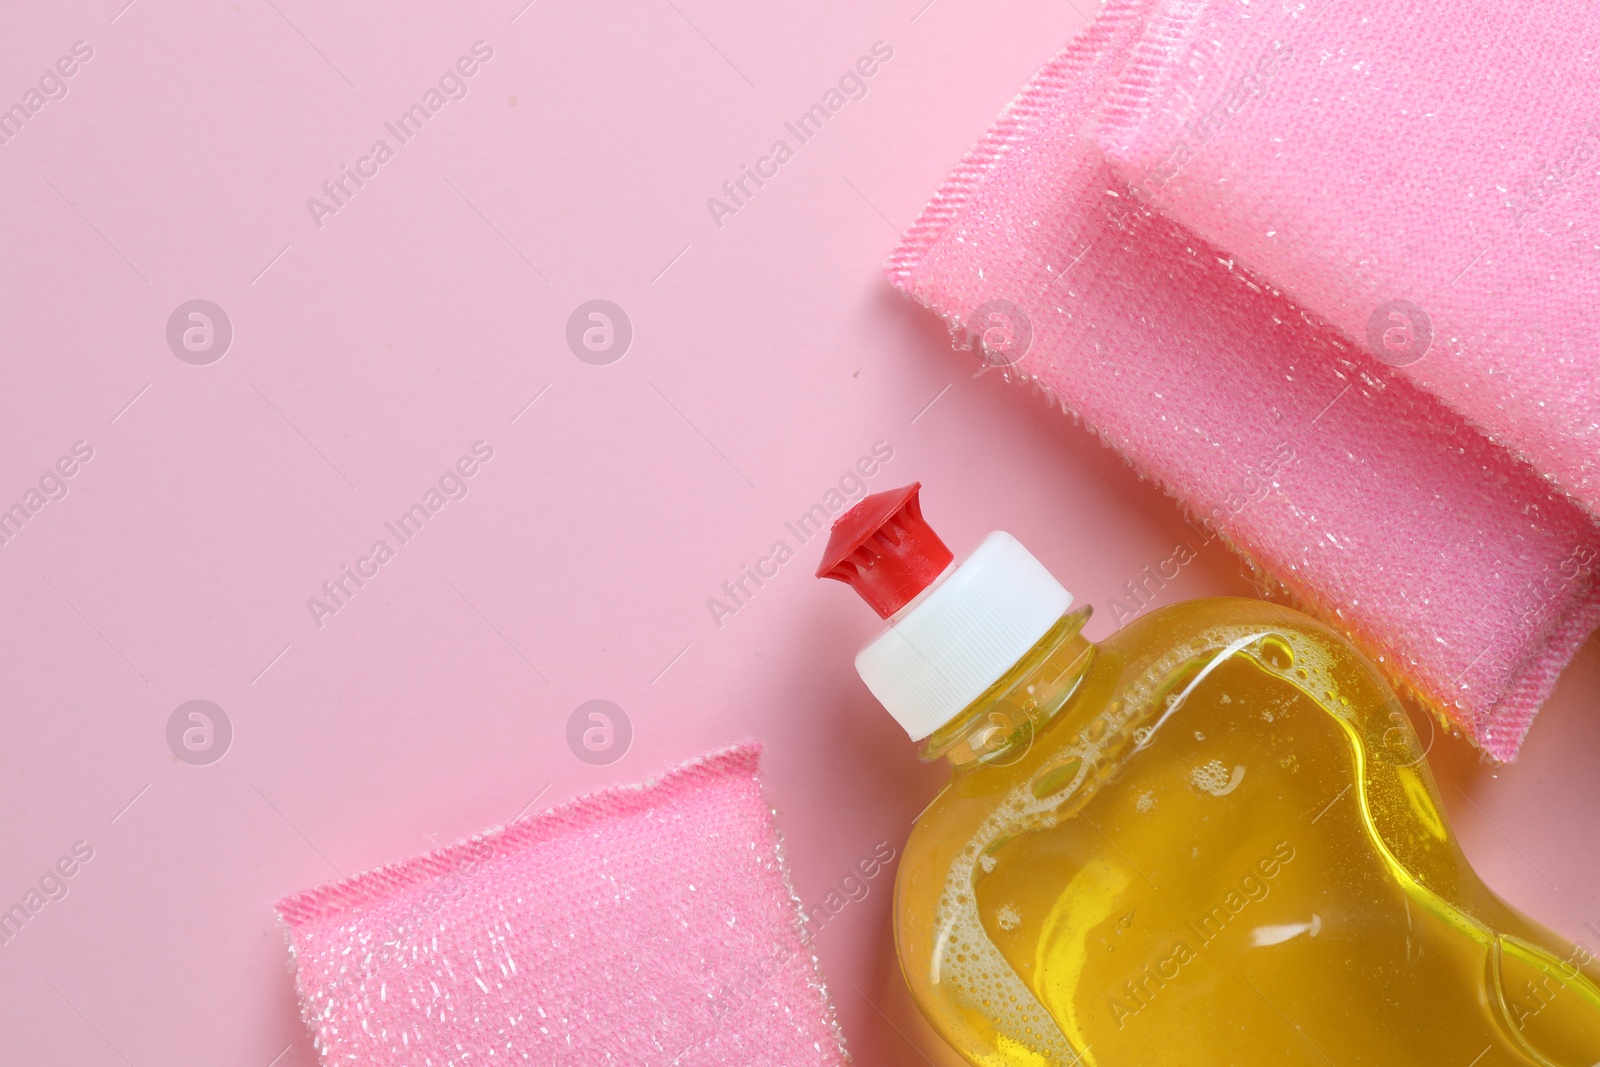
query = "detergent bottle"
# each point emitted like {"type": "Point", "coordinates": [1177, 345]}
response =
{"type": "Point", "coordinates": [1210, 839]}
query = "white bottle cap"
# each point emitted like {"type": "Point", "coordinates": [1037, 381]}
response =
{"type": "Point", "coordinates": [944, 648]}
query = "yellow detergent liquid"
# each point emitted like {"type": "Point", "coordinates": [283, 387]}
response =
{"type": "Point", "coordinates": [1210, 839]}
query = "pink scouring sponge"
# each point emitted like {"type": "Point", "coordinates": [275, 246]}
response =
{"type": "Point", "coordinates": [644, 925]}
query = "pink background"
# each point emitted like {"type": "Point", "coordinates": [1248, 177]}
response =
{"type": "Point", "coordinates": [768, 355]}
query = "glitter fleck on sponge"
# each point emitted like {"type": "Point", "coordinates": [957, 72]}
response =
{"type": "Point", "coordinates": [642, 925]}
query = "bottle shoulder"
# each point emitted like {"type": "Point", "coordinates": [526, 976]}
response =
{"type": "Point", "coordinates": [1188, 620]}
{"type": "Point", "coordinates": [1137, 668]}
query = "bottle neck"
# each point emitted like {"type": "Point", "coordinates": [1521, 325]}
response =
{"type": "Point", "coordinates": [999, 726]}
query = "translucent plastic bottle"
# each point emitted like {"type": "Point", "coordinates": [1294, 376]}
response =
{"type": "Point", "coordinates": [1210, 839]}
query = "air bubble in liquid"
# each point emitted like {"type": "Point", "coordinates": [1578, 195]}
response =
{"type": "Point", "coordinates": [1276, 653]}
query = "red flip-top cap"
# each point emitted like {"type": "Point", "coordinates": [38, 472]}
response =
{"type": "Point", "coordinates": [885, 551]}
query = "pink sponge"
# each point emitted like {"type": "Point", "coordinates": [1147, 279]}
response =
{"type": "Point", "coordinates": [651, 924]}
{"type": "Point", "coordinates": [1358, 490]}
